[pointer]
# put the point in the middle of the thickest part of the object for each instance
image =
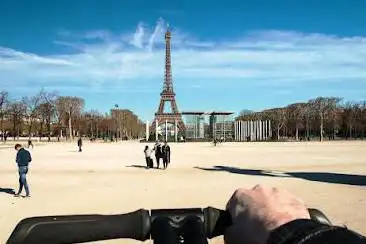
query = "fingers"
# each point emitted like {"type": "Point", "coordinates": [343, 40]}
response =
{"type": "Point", "coordinates": [238, 193]}
{"type": "Point", "coordinates": [242, 198]}
{"type": "Point", "coordinates": [242, 192]}
{"type": "Point", "coordinates": [266, 190]}
{"type": "Point", "coordinates": [257, 211]}
{"type": "Point", "coordinates": [257, 188]}
{"type": "Point", "coordinates": [237, 205]}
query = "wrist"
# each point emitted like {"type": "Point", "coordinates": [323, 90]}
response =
{"type": "Point", "coordinates": [279, 221]}
{"type": "Point", "coordinates": [292, 230]}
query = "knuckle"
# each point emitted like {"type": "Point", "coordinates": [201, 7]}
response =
{"type": "Point", "coordinates": [239, 192]}
{"type": "Point", "coordinates": [275, 189]}
{"type": "Point", "coordinates": [258, 187]}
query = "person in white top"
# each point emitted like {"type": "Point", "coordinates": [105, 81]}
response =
{"type": "Point", "coordinates": [148, 152]}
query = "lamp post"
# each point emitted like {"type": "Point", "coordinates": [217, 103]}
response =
{"type": "Point", "coordinates": [147, 131]}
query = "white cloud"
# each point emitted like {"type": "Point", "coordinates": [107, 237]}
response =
{"type": "Point", "coordinates": [98, 34]}
{"type": "Point", "coordinates": [159, 28]}
{"type": "Point", "coordinates": [114, 58]}
{"type": "Point", "coordinates": [137, 40]}
{"type": "Point", "coordinates": [13, 57]}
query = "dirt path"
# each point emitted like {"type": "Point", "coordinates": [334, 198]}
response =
{"type": "Point", "coordinates": [106, 179]}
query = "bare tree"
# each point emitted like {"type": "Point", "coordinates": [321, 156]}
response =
{"type": "Point", "coordinates": [59, 116]}
{"type": "Point", "coordinates": [121, 124]}
{"type": "Point", "coordinates": [278, 116]}
{"type": "Point", "coordinates": [296, 113]}
{"type": "Point", "coordinates": [49, 109]}
{"type": "Point", "coordinates": [332, 115]}
{"type": "Point", "coordinates": [363, 118]}
{"type": "Point", "coordinates": [308, 113]}
{"type": "Point", "coordinates": [332, 110]}
{"type": "Point", "coordinates": [32, 104]}
{"type": "Point", "coordinates": [334, 122]}
{"type": "Point", "coordinates": [352, 112]}
{"type": "Point", "coordinates": [245, 112]}
{"type": "Point", "coordinates": [72, 107]}
{"type": "Point", "coordinates": [125, 123]}
{"type": "Point", "coordinates": [323, 106]}
{"type": "Point", "coordinates": [3, 104]}
{"type": "Point", "coordinates": [17, 111]}
{"type": "Point", "coordinates": [42, 119]}
{"type": "Point", "coordinates": [359, 125]}
{"type": "Point", "coordinates": [105, 125]}
{"type": "Point", "coordinates": [46, 112]}
{"type": "Point", "coordinates": [319, 107]}
{"type": "Point", "coordinates": [93, 119]}
{"type": "Point", "coordinates": [81, 123]}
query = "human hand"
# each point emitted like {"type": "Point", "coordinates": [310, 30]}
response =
{"type": "Point", "coordinates": [256, 212]}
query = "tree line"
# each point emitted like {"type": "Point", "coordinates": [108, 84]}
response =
{"type": "Point", "coordinates": [323, 117]}
{"type": "Point", "coordinates": [46, 114]}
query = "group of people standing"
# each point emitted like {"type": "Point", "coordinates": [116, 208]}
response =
{"type": "Point", "coordinates": [161, 152]}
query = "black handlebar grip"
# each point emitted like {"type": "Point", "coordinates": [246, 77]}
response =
{"type": "Point", "coordinates": [81, 228]}
{"type": "Point", "coordinates": [217, 220]}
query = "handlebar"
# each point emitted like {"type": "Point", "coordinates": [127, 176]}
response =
{"type": "Point", "coordinates": [139, 225]}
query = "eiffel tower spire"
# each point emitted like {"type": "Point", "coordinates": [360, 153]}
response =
{"type": "Point", "coordinates": [168, 83]}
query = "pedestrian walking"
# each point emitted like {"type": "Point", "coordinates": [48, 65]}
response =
{"type": "Point", "coordinates": [30, 143]}
{"type": "Point", "coordinates": [23, 159]}
{"type": "Point", "coordinates": [80, 144]}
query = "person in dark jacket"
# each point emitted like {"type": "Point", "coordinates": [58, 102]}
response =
{"type": "Point", "coordinates": [265, 215]}
{"type": "Point", "coordinates": [166, 154]}
{"type": "Point", "coordinates": [80, 144]}
{"type": "Point", "coordinates": [158, 153]}
{"type": "Point", "coordinates": [23, 159]}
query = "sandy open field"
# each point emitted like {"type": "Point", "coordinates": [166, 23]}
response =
{"type": "Point", "coordinates": [108, 178]}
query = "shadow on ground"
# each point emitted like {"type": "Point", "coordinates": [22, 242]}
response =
{"type": "Point", "coordinates": [7, 190]}
{"type": "Point", "coordinates": [136, 166]}
{"type": "Point", "coordinates": [336, 178]}
{"type": "Point", "coordinates": [143, 167]}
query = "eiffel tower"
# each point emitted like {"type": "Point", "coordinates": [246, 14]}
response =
{"type": "Point", "coordinates": [168, 95]}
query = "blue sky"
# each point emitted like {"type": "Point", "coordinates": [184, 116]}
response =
{"type": "Point", "coordinates": [227, 55]}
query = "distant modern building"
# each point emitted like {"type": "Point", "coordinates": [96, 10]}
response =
{"type": "Point", "coordinates": [209, 125]}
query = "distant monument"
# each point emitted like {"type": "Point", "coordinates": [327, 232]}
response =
{"type": "Point", "coordinates": [220, 126]}
{"type": "Point", "coordinates": [168, 96]}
